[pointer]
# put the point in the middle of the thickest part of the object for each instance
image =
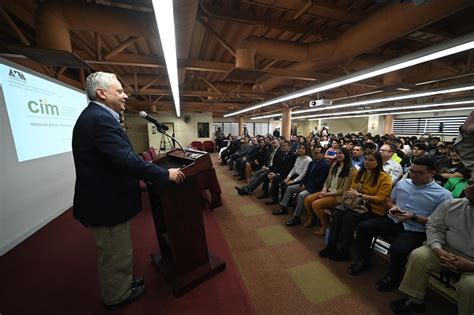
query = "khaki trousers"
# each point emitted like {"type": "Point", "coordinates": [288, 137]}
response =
{"type": "Point", "coordinates": [315, 203]}
{"type": "Point", "coordinates": [114, 246]}
{"type": "Point", "coordinates": [420, 263]}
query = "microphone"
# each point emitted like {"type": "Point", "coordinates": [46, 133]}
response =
{"type": "Point", "coordinates": [153, 120]}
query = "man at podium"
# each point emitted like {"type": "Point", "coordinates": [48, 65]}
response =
{"type": "Point", "coordinates": [107, 191]}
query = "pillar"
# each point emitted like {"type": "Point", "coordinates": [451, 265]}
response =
{"type": "Point", "coordinates": [286, 123]}
{"type": "Point", "coordinates": [390, 78]}
{"type": "Point", "coordinates": [388, 124]}
{"type": "Point", "coordinates": [241, 126]}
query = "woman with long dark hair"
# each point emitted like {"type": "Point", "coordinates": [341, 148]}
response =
{"type": "Point", "coordinates": [339, 180]}
{"type": "Point", "coordinates": [372, 185]}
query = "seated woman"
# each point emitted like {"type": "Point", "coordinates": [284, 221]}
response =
{"type": "Point", "coordinates": [371, 184]}
{"type": "Point", "coordinates": [299, 169]}
{"type": "Point", "coordinates": [456, 185]}
{"type": "Point", "coordinates": [339, 180]}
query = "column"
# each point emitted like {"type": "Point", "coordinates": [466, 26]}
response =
{"type": "Point", "coordinates": [241, 126]}
{"type": "Point", "coordinates": [286, 123]}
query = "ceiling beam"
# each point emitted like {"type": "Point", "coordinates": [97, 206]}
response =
{"type": "Point", "coordinates": [121, 47]}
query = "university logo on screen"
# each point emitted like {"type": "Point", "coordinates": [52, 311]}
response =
{"type": "Point", "coordinates": [43, 107]}
{"type": "Point", "coordinates": [16, 75]}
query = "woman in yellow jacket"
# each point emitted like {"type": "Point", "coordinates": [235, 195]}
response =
{"type": "Point", "coordinates": [371, 184]}
{"type": "Point", "coordinates": [339, 180]}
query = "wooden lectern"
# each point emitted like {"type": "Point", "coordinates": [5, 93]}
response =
{"type": "Point", "coordinates": [184, 258]}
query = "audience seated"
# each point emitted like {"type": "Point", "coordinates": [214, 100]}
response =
{"type": "Point", "coordinates": [260, 159]}
{"type": "Point", "coordinates": [280, 169]}
{"type": "Point", "coordinates": [362, 171]}
{"type": "Point", "coordinates": [299, 168]}
{"type": "Point", "coordinates": [357, 156]}
{"type": "Point", "coordinates": [411, 202]}
{"type": "Point", "coordinates": [390, 167]}
{"type": "Point", "coordinates": [456, 185]}
{"type": "Point", "coordinates": [373, 186]}
{"type": "Point", "coordinates": [339, 180]}
{"type": "Point", "coordinates": [311, 182]}
{"type": "Point", "coordinates": [449, 247]}
{"type": "Point", "coordinates": [262, 174]}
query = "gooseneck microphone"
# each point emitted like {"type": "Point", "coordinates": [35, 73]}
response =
{"type": "Point", "coordinates": [161, 128]}
{"type": "Point", "coordinates": [153, 120]}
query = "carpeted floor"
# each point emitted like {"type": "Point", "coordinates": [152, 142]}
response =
{"type": "Point", "coordinates": [282, 270]}
{"type": "Point", "coordinates": [54, 272]}
{"type": "Point", "coordinates": [271, 269]}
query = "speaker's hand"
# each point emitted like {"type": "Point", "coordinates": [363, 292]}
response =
{"type": "Point", "coordinates": [176, 175]}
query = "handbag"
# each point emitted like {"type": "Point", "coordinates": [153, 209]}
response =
{"type": "Point", "coordinates": [355, 206]}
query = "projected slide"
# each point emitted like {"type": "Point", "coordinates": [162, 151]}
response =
{"type": "Point", "coordinates": [42, 114]}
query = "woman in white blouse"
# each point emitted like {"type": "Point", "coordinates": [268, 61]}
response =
{"type": "Point", "coordinates": [299, 169]}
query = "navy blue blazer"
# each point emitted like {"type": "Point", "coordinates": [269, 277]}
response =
{"type": "Point", "coordinates": [107, 190]}
{"type": "Point", "coordinates": [316, 175]}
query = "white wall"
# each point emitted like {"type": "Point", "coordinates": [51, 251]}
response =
{"type": "Point", "coordinates": [185, 132]}
{"type": "Point", "coordinates": [375, 124]}
{"type": "Point", "coordinates": [348, 125]}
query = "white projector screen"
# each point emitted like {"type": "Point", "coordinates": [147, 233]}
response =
{"type": "Point", "coordinates": [41, 186]}
{"type": "Point", "coordinates": [42, 113]}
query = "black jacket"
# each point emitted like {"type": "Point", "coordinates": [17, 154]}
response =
{"type": "Point", "coordinates": [107, 190]}
{"type": "Point", "coordinates": [283, 163]}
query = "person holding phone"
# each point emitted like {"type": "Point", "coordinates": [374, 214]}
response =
{"type": "Point", "coordinates": [411, 202]}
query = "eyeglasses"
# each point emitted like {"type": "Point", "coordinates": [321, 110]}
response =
{"type": "Point", "coordinates": [417, 173]}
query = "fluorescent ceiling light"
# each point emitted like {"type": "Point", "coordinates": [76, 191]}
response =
{"type": "Point", "coordinates": [376, 110]}
{"type": "Point", "coordinates": [431, 53]}
{"type": "Point", "coordinates": [394, 113]}
{"type": "Point", "coordinates": [444, 90]}
{"type": "Point", "coordinates": [428, 105]}
{"type": "Point", "coordinates": [165, 20]}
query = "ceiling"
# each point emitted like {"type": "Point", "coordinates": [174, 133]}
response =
{"type": "Point", "coordinates": [233, 54]}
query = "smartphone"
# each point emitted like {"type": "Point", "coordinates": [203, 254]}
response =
{"type": "Point", "coordinates": [395, 211]}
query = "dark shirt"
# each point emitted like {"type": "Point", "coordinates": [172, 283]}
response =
{"type": "Point", "coordinates": [316, 175]}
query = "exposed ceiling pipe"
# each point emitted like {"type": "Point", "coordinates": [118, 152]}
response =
{"type": "Point", "coordinates": [385, 25]}
{"type": "Point", "coordinates": [55, 19]}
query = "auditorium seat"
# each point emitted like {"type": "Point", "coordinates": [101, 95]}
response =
{"type": "Point", "coordinates": [147, 156]}
{"type": "Point", "coordinates": [208, 146]}
{"type": "Point", "coordinates": [152, 152]}
{"type": "Point", "coordinates": [197, 145]}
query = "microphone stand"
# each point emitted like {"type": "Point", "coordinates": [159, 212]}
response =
{"type": "Point", "coordinates": [163, 132]}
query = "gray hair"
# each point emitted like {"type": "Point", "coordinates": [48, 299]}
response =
{"type": "Point", "coordinates": [98, 80]}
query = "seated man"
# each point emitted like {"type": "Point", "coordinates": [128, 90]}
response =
{"type": "Point", "coordinates": [239, 164]}
{"type": "Point", "coordinates": [450, 246]}
{"type": "Point", "coordinates": [312, 182]}
{"type": "Point", "coordinates": [390, 167]}
{"type": "Point", "coordinates": [262, 174]}
{"type": "Point", "coordinates": [278, 173]}
{"type": "Point", "coordinates": [411, 202]}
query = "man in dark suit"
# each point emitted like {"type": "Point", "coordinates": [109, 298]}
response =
{"type": "Point", "coordinates": [279, 171]}
{"type": "Point", "coordinates": [107, 191]}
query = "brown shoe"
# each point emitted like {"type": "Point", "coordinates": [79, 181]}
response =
{"type": "Point", "coordinates": [321, 231]}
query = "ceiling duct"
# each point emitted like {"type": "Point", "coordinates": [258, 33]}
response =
{"type": "Point", "coordinates": [385, 25]}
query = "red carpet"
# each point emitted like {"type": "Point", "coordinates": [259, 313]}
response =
{"type": "Point", "coordinates": [54, 272]}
